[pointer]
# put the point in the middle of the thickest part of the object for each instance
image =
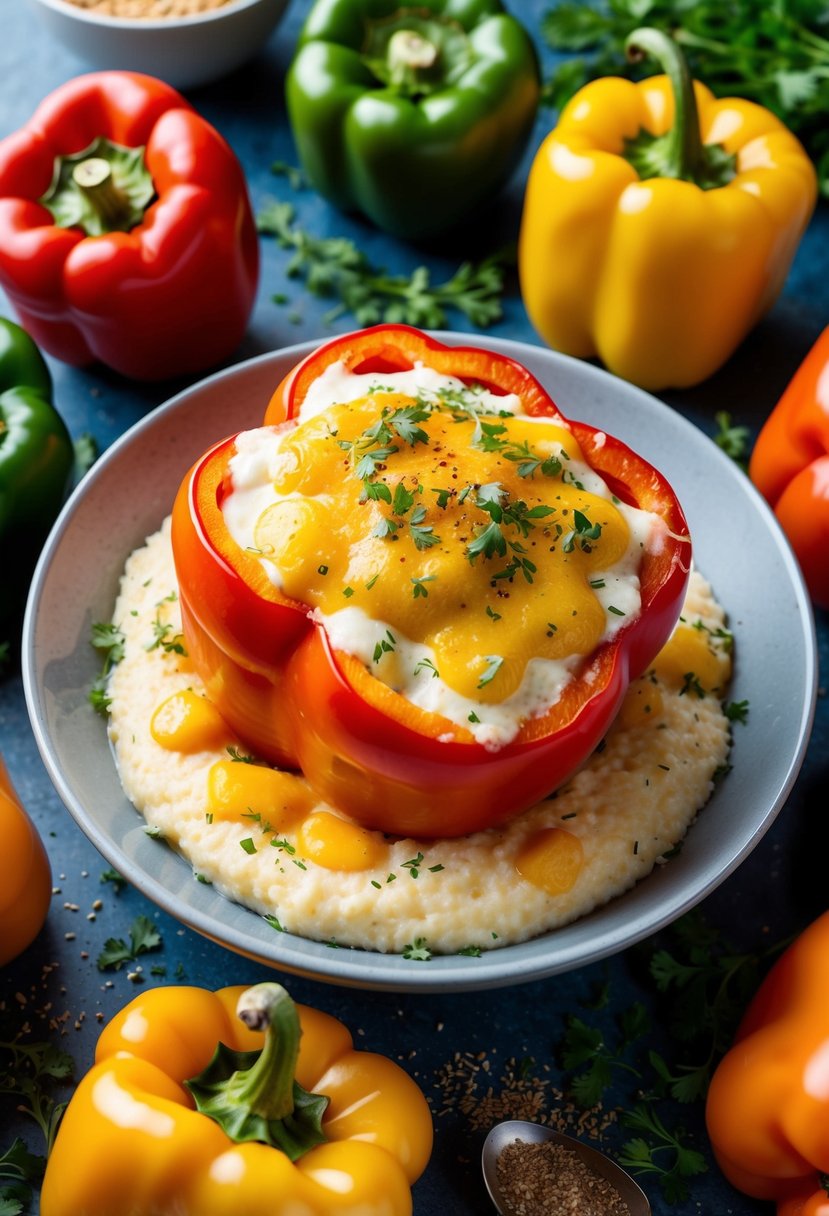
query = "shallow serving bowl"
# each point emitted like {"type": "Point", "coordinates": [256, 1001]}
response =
{"type": "Point", "coordinates": [131, 488]}
{"type": "Point", "coordinates": [183, 51]}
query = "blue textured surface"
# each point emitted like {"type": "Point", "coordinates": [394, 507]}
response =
{"type": "Point", "coordinates": [782, 886]}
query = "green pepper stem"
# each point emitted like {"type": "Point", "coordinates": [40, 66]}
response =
{"type": "Point", "coordinates": [407, 52]}
{"type": "Point", "coordinates": [267, 1087]}
{"type": "Point", "coordinates": [683, 151]}
{"type": "Point", "coordinates": [93, 177]}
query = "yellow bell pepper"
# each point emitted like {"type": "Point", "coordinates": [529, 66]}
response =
{"type": "Point", "coordinates": [659, 224]}
{"type": "Point", "coordinates": [132, 1142]}
{"type": "Point", "coordinates": [25, 877]}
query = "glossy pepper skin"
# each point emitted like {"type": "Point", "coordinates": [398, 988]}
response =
{"type": "Point", "coordinates": [169, 295]}
{"type": "Point", "coordinates": [132, 1142]}
{"type": "Point", "coordinates": [768, 1104]}
{"type": "Point", "coordinates": [660, 266]}
{"type": "Point", "coordinates": [411, 114]}
{"type": "Point", "coordinates": [25, 876]}
{"type": "Point", "coordinates": [36, 460]}
{"type": "Point", "coordinates": [276, 680]}
{"type": "Point", "coordinates": [790, 466]}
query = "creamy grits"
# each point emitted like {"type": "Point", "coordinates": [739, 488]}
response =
{"type": "Point", "coordinates": [263, 839]}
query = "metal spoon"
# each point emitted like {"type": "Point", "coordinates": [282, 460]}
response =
{"type": "Point", "coordinates": [519, 1129]}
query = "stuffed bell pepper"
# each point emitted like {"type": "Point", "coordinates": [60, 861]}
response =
{"type": "Point", "coordinates": [36, 460]}
{"type": "Point", "coordinates": [660, 223]}
{"type": "Point", "coordinates": [790, 466]}
{"type": "Point", "coordinates": [411, 114]}
{"type": "Point", "coordinates": [422, 585]}
{"type": "Point", "coordinates": [126, 233]}
{"type": "Point", "coordinates": [191, 1110]}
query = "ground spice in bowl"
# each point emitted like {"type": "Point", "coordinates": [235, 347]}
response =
{"type": "Point", "coordinates": [546, 1179]}
{"type": "Point", "coordinates": [150, 9]}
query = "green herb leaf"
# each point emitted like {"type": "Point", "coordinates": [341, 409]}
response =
{"type": "Point", "coordinates": [733, 440]}
{"type": "Point", "coordinates": [418, 950]}
{"type": "Point", "coordinates": [335, 268]}
{"type": "Point", "coordinates": [494, 663]}
{"type": "Point", "coordinates": [144, 937]}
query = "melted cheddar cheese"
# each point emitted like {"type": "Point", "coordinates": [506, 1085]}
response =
{"type": "Point", "coordinates": [466, 553]}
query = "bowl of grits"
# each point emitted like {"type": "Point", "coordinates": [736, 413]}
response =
{"type": "Point", "coordinates": [652, 819]}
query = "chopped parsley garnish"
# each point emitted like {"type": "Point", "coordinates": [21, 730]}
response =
{"type": "Point", "coordinates": [118, 881]}
{"type": "Point", "coordinates": [736, 711]}
{"type": "Point", "coordinates": [690, 683]}
{"type": "Point", "coordinates": [385, 646]}
{"type": "Point", "coordinates": [165, 639]}
{"type": "Point", "coordinates": [112, 641]}
{"type": "Point", "coordinates": [413, 865]}
{"type": "Point", "coordinates": [493, 666]}
{"type": "Point", "coordinates": [418, 950]}
{"type": "Point", "coordinates": [582, 533]}
{"type": "Point", "coordinates": [237, 756]}
{"type": "Point", "coordinates": [426, 665]}
{"type": "Point", "coordinates": [419, 589]}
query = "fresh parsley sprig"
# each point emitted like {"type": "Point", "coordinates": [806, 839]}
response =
{"type": "Point", "coordinates": [144, 937]}
{"type": "Point", "coordinates": [335, 268]}
{"type": "Point", "coordinates": [664, 1153]}
{"type": "Point", "coordinates": [29, 1073]}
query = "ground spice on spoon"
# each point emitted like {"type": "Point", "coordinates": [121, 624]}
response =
{"type": "Point", "coordinates": [547, 1179]}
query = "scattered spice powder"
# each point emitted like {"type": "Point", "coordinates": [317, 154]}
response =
{"type": "Point", "coordinates": [547, 1179]}
{"type": "Point", "coordinates": [149, 9]}
{"type": "Point", "coordinates": [468, 1085]}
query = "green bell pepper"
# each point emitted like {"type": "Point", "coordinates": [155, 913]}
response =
{"type": "Point", "coordinates": [36, 462]}
{"type": "Point", "coordinates": [412, 115]}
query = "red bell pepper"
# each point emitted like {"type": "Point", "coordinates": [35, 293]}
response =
{"type": "Point", "coordinates": [126, 232]}
{"type": "Point", "coordinates": [277, 681]}
{"type": "Point", "coordinates": [790, 466]}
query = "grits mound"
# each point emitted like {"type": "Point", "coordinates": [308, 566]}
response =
{"type": "Point", "coordinates": [618, 816]}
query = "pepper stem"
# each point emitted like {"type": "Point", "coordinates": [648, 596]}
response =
{"type": "Point", "coordinates": [267, 1087]}
{"type": "Point", "coordinates": [253, 1095]}
{"type": "Point", "coordinates": [407, 52]}
{"type": "Point", "coordinates": [682, 155]}
{"type": "Point", "coordinates": [94, 178]}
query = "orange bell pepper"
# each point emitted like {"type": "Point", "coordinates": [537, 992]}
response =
{"type": "Point", "coordinates": [143, 1135]}
{"type": "Point", "coordinates": [768, 1104]}
{"type": "Point", "coordinates": [278, 682]}
{"type": "Point", "coordinates": [790, 466]}
{"type": "Point", "coordinates": [25, 877]}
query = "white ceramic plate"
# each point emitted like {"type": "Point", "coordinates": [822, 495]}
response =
{"type": "Point", "coordinates": [737, 544]}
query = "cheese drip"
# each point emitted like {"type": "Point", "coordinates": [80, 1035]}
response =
{"type": "Point", "coordinates": [477, 553]}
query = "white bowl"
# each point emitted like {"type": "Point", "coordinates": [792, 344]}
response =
{"type": "Point", "coordinates": [738, 545]}
{"type": "Point", "coordinates": [183, 51]}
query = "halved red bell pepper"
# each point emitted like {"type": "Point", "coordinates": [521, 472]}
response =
{"type": "Point", "coordinates": [126, 232]}
{"type": "Point", "coordinates": [790, 466]}
{"type": "Point", "coordinates": [364, 748]}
